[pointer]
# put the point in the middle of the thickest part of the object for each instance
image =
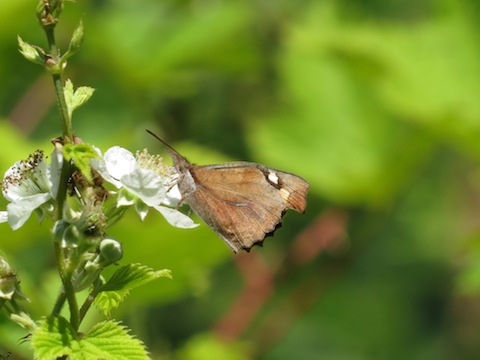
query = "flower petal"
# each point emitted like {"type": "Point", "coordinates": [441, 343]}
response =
{"type": "Point", "coordinates": [119, 162]}
{"type": "Point", "coordinates": [55, 171]}
{"type": "Point", "coordinates": [176, 218]}
{"type": "Point", "coordinates": [146, 185]}
{"type": "Point", "coordinates": [173, 197]}
{"type": "Point", "coordinates": [101, 167]}
{"type": "Point", "coordinates": [19, 211]}
{"type": "Point", "coordinates": [26, 177]}
{"type": "Point", "coordinates": [3, 216]}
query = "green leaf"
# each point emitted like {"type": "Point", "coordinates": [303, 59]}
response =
{"type": "Point", "coordinates": [30, 52]}
{"type": "Point", "coordinates": [54, 337]}
{"type": "Point", "coordinates": [75, 42]}
{"type": "Point", "coordinates": [76, 98]}
{"type": "Point", "coordinates": [127, 277]}
{"type": "Point", "coordinates": [81, 155]}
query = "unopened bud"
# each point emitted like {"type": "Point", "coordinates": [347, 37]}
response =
{"type": "Point", "coordinates": [111, 250]}
{"type": "Point", "coordinates": [8, 280]}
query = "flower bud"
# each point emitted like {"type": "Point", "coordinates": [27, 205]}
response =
{"type": "Point", "coordinates": [66, 234]}
{"type": "Point", "coordinates": [8, 280]}
{"type": "Point", "coordinates": [111, 250]}
{"type": "Point", "coordinates": [71, 237]}
{"type": "Point", "coordinates": [9, 284]}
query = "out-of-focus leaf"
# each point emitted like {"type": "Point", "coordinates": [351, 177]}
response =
{"type": "Point", "coordinates": [168, 47]}
{"type": "Point", "coordinates": [208, 347]}
{"type": "Point", "coordinates": [334, 130]}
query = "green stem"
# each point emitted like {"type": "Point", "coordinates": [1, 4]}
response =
{"type": "Point", "coordinates": [68, 291]}
{"type": "Point", "coordinates": [55, 66]}
{"type": "Point", "coordinates": [57, 82]}
{"type": "Point", "coordinates": [64, 271]}
{"type": "Point", "coordinates": [59, 303]}
{"type": "Point", "coordinates": [88, 302]}
{"type": "Point", "coordinates": [62, 109]}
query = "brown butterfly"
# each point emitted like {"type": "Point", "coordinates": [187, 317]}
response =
{"type": "Point", "coordinates": [242, 202]}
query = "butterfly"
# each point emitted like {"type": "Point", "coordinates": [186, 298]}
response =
{"type": "Point", "coordinates": [243, 202]}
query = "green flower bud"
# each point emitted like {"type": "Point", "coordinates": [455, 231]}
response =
{"type": "Point", "coordinates": [71, 237]}
{"type": "Point", "coordinates": [8, 280]}
{"type": "Point", "coordinates": [58, 229]}
{"type": "Point", "coordinates": [9, 284]}
{"type": "Point", "coordinates": [111, 250]}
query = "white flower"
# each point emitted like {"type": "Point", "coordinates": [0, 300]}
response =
{"type": "Point", "coordinates": [28, 185]}
{"type": "Point", "coordinates": [140, 186]}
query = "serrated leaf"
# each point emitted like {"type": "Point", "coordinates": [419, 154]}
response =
{"type": "Point", "coordinates": [76, 98]}
{"type": "Point", "coordinates": [81, 155]}
{"type": "Point", "coordinates": [114, 291]}
{"type": "Point", "coordinates": [109, 340]}
{"type": "Point", "coordinates": [53, 338]}
{"type": "Point", "coordinates": [133, 275]}
{"type": "Point", "coordinates": [106, 301]}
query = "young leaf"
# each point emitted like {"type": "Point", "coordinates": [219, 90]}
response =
{"type": "Point", "coordinates": [133, 275]}
{"type": "Point", "coordinates": [127, 277]}
{"type": "Point", "coordinates": [54, 338]}
{"type": "Point", "coordinates": [75, 42]}
{"type": "Point", "coordinates": [30, 52]}
{"type": "Point", "coordinates": [81, 155]}
{"type": "Point", "coordinates": [76, 98]}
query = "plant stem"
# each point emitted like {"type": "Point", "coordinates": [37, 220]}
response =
{"type": "Point", "coordinates": [88, 302]}
{"type": "Point", "coordinates": [57, 82]}
{"type": "Point", "coordinates": [62, 109]}
{"type": "Point", "coordinates": [59, 303]}
{"type": "Point", "coordinates": [55, 66]}
{"type": "Point", "coordinates": [68, 290]}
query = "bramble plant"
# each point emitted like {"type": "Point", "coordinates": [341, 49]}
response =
{"type": "Point", "coordinates": [83, 192]}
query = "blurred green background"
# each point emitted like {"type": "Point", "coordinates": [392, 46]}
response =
{"type": "Point", "coordinates": [376, 103]}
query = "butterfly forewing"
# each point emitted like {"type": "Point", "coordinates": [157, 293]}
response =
{"type": "Point", "coordinates": [244, 202]}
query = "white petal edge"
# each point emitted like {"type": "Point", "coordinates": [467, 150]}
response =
{"type": "Point", "coordinates": [3, 216]}
{"type": "Point", "coordinates": [176, 218]}
{"type": "Point", "coordinates": [19, 211]}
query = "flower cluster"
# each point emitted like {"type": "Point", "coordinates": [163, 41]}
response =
{"type": "Point", "coordinates": [142, 181]}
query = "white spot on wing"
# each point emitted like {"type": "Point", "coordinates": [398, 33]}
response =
{"type": "Point", "coordinates": [272, 177]}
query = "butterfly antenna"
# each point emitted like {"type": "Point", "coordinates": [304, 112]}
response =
{"type": "Point", "coordinates": [163, 142]}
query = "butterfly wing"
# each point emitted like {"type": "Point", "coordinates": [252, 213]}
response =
{"type": "Point", "coordinates": [244, 202]}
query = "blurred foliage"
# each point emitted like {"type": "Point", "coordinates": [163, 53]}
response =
{"type": "Point", "coordinates": [374, 102]}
